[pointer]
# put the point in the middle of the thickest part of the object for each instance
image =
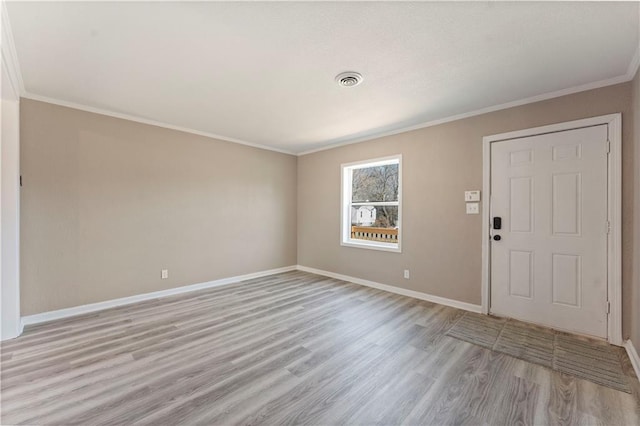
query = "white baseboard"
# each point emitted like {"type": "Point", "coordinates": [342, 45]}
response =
{"type": "Point", "coordinates": [397, 290]}
{"type": "Point", "coordinates": [633, 356]}
{"type": "Point", "coordinates": [15, 332]}
{"type": "Point", "coordinates": [99, 306]}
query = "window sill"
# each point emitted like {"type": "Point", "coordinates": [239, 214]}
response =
{"type": "Point", "coordinates": [395, 248]}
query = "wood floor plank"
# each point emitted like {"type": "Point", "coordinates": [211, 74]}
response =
{"type": "Point", "coordinates": [518, 397]}
{"type": "Point", "coordinates": [393, 400]}
{"type": "Point", "coordinates": [230, 349]}
{"type": "Point", "coordinates": [291, 348]}
{"type": "Point", "coordinates": [563, 405]}
{"type": "Point", "coordinates": [370, 386]}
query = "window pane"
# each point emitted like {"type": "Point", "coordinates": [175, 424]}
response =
{"type": "Point", "coordinates": [375, 223]}
{"type": "Point", "coordinates": [373, 184]}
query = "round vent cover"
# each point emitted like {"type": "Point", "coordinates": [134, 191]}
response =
{"type": "Point", "coordinates": [349, 79]}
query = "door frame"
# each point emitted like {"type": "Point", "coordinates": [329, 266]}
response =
{"type": "Point", "coordinates": [614, 211]}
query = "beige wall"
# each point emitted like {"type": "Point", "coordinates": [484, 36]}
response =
{"type": "Point", "coordinates": [635, 325]}
{"type": "Point", "coordinates": [441, 244]}
{"type": "Point", "coordinates": [108, 203]}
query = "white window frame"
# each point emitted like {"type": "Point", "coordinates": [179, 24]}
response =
{"type": "Point", "coordinates": [345, 215]}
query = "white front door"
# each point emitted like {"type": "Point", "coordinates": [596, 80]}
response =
{"type": "Point", "coordinates": [549, 259]}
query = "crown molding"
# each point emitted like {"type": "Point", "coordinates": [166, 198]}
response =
{"type": "Point", "coordinates": [634, 65]}
{"type": "Point", "coordinates": [533, 99]}
{"type": "Point", "coordinates": [148, 121]}
{"type": "Point", "coordinates": [631, 71]}
{"type": "Point", "coordinates": [10, 61]}
{"type": "Point", "coordinates": [11, 64]}
{"type": "Point", "coordinates": [9, 56]}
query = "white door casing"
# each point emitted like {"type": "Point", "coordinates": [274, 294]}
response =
{"type": "Point", "coordinates": [557, 190]}
{"type": "Point", "coordinates": [10, 92]}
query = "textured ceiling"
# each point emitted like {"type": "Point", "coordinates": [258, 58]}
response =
{"type": "Point", "coordinates": [264, 73]}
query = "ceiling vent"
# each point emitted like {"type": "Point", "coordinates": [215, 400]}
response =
{"type": "Point", "coordinates": [349, 79]}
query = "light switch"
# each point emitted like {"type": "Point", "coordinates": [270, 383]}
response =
{"type": "Point", "coordinates": [471, 196]}
{"type": "Point", "coordinates": [473, 208]}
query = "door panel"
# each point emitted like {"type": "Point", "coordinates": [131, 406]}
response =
{"type": "Point", "coordinates": [550, 264]}
{"type": "Point", "coordinates": [521, 204]}
{"type": "Point", "coordinates": [566, 209]}
{"type": "Point", "coordinates": [521, 273]}
{"type": "Point", "coordinates": [566, 281]}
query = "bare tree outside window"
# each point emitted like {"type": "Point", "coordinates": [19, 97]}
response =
{"type": "Point", "coordinates": [373, 186]}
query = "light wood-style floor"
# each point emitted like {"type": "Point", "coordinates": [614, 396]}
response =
{"type": "Point", "coordinates": [289, 348]}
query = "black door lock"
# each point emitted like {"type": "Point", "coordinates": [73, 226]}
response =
{"type": "Point", "coordinates": [497, 222]}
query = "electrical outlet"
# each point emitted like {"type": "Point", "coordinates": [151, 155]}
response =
{"type": "Point", "coordinates": [406, 274]}
{"type": "Point", "coordinates": [164, 274]}
{"type": "Point", "coordinates": [473, 208]}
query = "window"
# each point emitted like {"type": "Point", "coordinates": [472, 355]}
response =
{"type": "Point", "coordinates": [371, 204]}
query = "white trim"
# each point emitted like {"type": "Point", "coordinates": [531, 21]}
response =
{"type": "Point", "coordinates": [543, 97]}
{"type": "Point", "coordinates": [373, 245]}
{"type": "Point", "coordinates": [9, 56]}
{"type": "Point", "coordinates": [634, 65]}
{"type": "Point", "coordinates": [345, 200]}
{"type": "Point", "coordinates": [633, 356]}
{"type": "Point", "coordinates": [8, 50]}
{"type": "Point", "coordinates": [396, 290]}
{"type": "Point", "coordinates": [10, 214]}
{"type": "Point", "coordinates": [375, 203]}
{"type": "Point", "coordinates": [614, 278]}
{"type": "Point", "coordinates": [374, 162]}
{"type": "Point", "coordinates": [486, 218]}
{"type": "Point", "coordinates": [10, 167]}
{"type": "Point", "coordinates": [148, 121]}
{"type": "Point", "coordinates": [99, 306]}
{"type": "Point", "coordinates": [376, 135]}
{"type": "Point", "coordinates": [614, 123]}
